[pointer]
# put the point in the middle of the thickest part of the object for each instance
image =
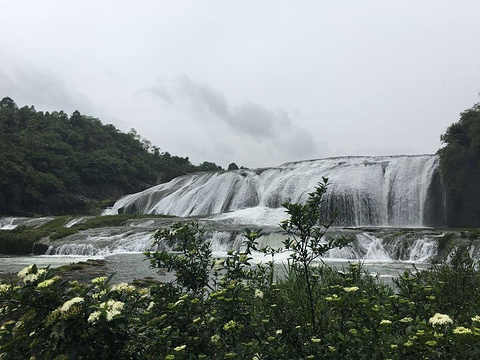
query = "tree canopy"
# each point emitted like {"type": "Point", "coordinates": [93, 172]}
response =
{"type": "Point", "coordinates": [460, 168]}
{"type": "Point", "coordinates": [52, 163]}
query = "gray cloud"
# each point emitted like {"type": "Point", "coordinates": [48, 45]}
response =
{"type": "Point", "coordinates": [45, 91]}
{"type": "Point", "coordinates": [249, 118]}
{"type": "Point", "coordinates": [367, 77]}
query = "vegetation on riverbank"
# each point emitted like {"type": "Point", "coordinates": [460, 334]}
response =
{"type": "Point", "coordinates": [227, 309]}
{"type": "Point", "coordinates": [249, 314]}
{"type": "Point", "coordinates": [460, 169]}
{"type": "Point", "coordinates": [55, 164]}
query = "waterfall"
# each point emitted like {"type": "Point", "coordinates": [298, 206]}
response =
{"type": "Point", "coordinates": [366, 191]}
{"type": "Point", "coordinates": [104, 244]}
{"type": "Point", "coordinates": [11, 223]}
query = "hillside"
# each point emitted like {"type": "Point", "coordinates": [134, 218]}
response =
{"type": "Point", "coordinates": [54, 164]}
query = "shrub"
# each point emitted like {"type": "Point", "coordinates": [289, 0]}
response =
{"type": "Point", "coordinates": [227, 308]}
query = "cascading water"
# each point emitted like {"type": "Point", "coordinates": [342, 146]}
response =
{"type": "Point", "coordinates": [105, 243]}
{"type": "Point", "coordinates": [366, 191]}
{"type": "Point", "coordinates": [383, 191]}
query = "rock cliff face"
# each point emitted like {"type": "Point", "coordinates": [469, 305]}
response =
{"type": "Point", "coordinates": [366, 191]}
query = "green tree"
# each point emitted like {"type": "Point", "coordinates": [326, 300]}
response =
{"type": "Point", "coordinates": [208, 166]}
{"type": "Point", "coordinates": [232, 166]}
{"type": "Point", "coordinates": [460, 168]}
{"type": "Point", "coordinates": [52, 163]}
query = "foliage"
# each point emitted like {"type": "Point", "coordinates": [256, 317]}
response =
{"type": "Point", "coordinates": [307, 226]}
{"type": "Point", "coordinates": [53, 163]}
{"type": "Point", "coordinates": [358, 318]}
{"type": "Point", "coordinates": [232, 166]}
{"type": "Point", "coordinates": [460, 167]}
{"type": "Point", "coordinates": [227, 308]}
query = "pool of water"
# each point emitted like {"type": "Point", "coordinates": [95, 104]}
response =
{"type": "Point", "coordinates": [127, 267]}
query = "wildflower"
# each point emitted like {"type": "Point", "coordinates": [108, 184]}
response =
{"type": "Point", "coordinates": [279, 332]}
{"type": "Point", "coordinates": [334, 297]}
{"type": "Point", "coordinates": [180, 348]}
{"type": "Point", "coordinates": [150, 306]}
{"type": "Point", "coordinates": [315, 339]}
{"type": "Point", "coordinates": [406, 319]}
{"type": "Point", "coordinates": [123, 288]}
{"type": "Point", "coordinates": [144, 292]}
{"type": "Point", "coordinates": [229, 325]}
{"type": "Point", "coordinates": [170, 357]}
{"type": "Point", "coordinates": [25, 271]}
{"type": "Point", "coordinates": [394, 346]}
{"type": "Point", "coordinates": [112, 308]}
{"type": "Point", "coordinates": [99, 280]}
{"type": "Point", "coordinates": [215, 338]}
{"type": "Point", "coordinates": [408, 343]}
{"type": "Point", "coordinates": [68, 304]}
{"type": "Point", "coordinates": [476, 318]}
{"type": "Point", "coordinates": [385, 322]}
{"type": "Point", "coordinates": [440, 319]}
{"type": "Point", "coordinates": [47, 283]}
{"type": "Point", "coordinates": [351, 289]}
{"type": "Point", "coordinates": [32, 277]}
{"type": "Point", "coordinates": [431, 343]}
{"type": "Point", "coordinates": [258, 293]}
{"type": "Point", "coordinates": [331, 348]}
{"type": "Point", "coordinates": [4, 288]}
{"type": "Point", "coordinates": [94, 317]}
{"type": "Point", "coordinates": [99, 294]}
{"type": "Point", "coordinates": [462, 330]}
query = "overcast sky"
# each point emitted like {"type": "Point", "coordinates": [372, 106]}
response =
{"type": "Point", "coordinates": [258, 83]}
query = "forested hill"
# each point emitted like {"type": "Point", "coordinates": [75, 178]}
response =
{"type": "Point", "coordinates": [52, 163]}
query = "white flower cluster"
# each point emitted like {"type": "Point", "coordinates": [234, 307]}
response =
{"type": "Point", "coordinates": [461, 330]}
{"type": "Point", "coordinates": [4, 288]}
{"type": "Point", "coordinates": [25, 271]}
{"type": "Point", "coordinates": [99, 280]}
{"type": "Point", "coordinates": [123, 288]}
{"type": "Point", "coordinates": [68, 304]}
{"type": "Point", "coordinates": [215, 338]}
{"type": "Point", "coordinates": [112, 309]}
{"type": "Point", "coordinates": [258, 293]}
{"type": "Point", "coordinates": [27, 275]}
{"type": "Point", "coordinates": [350, 289]}
{"type": "Point", "coordinates": [48, 282]}
{"type": "Point", "coordinates": [440, 319]}
{"type": "Point", "coordinates": [150, 306]}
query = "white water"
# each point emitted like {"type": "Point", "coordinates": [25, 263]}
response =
{"type": "Point", "coordinates": [106, 244]}
{"type": "Point", "coordinates": [379, 191]}
{"type": "Point", "coordinates": [11, 223]}
{"type": "Point", "coordinates": [367, 191]}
